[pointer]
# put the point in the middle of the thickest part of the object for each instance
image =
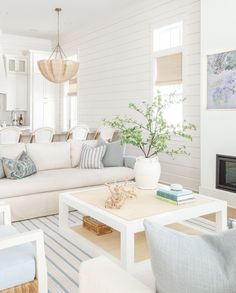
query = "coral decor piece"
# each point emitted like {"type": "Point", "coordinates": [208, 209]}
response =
{"type": "Point", "coordinates": [119, 194]}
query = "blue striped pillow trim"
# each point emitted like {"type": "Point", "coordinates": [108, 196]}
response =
{"type": "Point", "coordinates": [91, 157]}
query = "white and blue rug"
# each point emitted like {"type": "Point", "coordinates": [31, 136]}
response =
{"type": "Point", "coordinates": [63, 255]}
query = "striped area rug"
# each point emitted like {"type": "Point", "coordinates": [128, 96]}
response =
{"type": "Point", "coordinates": [63, 255]}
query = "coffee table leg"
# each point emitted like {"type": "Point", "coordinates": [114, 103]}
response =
{"type": "Point", "coordinates": [127, 248]}
{"type": "Point", "coordinates": [221, 219]}
{"type": "Point", "coordinates": [63, 216]}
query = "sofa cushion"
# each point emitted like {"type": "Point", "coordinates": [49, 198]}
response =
{"type": "Point", "coordinates": [76, 148]}
{"type": "Point", "coordinates": [17, 264]}
{"type": "Point", "coordinates": [114, 155]}
{"type": "Point", "coordinates": [18, 169]}
{"type": "Point", "coordinates": [186, 263]}
{"type": "Point", "coordinates": [100, 275]}
{"type": "Point", "coordinates": [48, 156]}
{"type": "Point", "coordinates": [62, 179]}
{"type": "Point", "coordinates": [12, 151]}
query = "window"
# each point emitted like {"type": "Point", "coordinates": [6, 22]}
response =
{"type": "Point", "coordinates": [167, 46]}
{"type": "Point", "coordinates": [70, 103]}
{"type": "Point", "coordinates": [168, 37]}
{"type": "Point", "coordinates": [174, 114]}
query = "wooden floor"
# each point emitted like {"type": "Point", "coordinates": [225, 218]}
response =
{"type": "Point", "coordinates": [30, 287]}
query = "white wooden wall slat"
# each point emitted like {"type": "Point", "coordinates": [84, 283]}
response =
{"type": "Point", "coordinates": [116, 68]}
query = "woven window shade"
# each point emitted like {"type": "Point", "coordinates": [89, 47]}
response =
{"type": "Point", "coordinates": [169, 69]}
{"type": "Point", "coordinates": [72, 91]}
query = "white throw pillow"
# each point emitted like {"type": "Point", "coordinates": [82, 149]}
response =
{"type": "Point", "coordinates": [91, 157]}
{"type": "Point", "coordinates": [12, 151]}
{"type": "Point", "coordinates": [49, 156]}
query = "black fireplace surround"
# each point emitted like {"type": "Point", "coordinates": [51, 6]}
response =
{"type": "Point", "coordinates": [226, 173]}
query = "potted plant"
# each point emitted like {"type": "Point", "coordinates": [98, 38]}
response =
{"type": "Point", "coordinates": [151, 132]}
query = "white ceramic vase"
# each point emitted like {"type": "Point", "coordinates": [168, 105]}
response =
{"type": "Point", "coordinates": [147, 172]}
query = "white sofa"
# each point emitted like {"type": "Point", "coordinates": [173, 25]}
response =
{"type": "Point", "coordinates": [58, 171]}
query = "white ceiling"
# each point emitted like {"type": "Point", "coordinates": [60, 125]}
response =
{"type": "Point", "coordinates": [37, 17]}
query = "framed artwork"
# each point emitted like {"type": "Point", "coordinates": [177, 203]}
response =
{"type": "Point", "coordinates": [221, 80]}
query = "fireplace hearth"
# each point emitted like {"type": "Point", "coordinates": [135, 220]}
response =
{"type": "Point", "coordinates": [226, 173]}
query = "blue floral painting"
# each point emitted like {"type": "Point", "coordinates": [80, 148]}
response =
{"type": "Point", "coordinates": [221, 75]}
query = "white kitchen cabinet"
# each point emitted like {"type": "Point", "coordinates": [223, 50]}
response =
{"type": "Point", "coordinates": [45, 110]}
{"type": "Point", "coordinates": [44, 95]}
{"type": "Point", "coordinates": [17, 83]}
{"type": "Point", "coordinates": [11, 92]}
{"type": "Point", "coordinates": [16, 64]}
{"type": "Point", "coordinates": [17, 92]}
{"type": "Point", "coordinates": [22, 92]}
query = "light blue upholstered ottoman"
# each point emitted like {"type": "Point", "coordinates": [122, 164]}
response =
{"type": "Point", "coordinates": [17, 264]}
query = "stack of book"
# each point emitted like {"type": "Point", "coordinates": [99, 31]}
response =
{"type": "Point", "coordinates": [177, 197]}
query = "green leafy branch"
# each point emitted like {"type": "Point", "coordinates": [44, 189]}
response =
{"type": "Point", "coordinates": [151, 132]}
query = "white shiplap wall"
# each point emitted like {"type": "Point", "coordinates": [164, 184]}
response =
{"type": "Point", "coordinates": [116, 67]}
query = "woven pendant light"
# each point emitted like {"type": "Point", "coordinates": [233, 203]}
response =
{"type": "Point", "coordinates": [57, 68]}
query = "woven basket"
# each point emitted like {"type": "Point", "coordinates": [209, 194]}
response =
{"type": "Point", "coordinates": [95, 226]}
{"type": "Point", "coordinates": [30, 287]}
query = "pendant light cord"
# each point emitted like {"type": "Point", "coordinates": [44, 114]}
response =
{"type": "Point", "coordinates": [58, 15]}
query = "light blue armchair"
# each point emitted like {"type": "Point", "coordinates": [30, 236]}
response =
{"type": "Point", "coordinates": [21, 262]}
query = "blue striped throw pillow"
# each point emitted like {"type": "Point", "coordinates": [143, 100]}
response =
{"type": "Point", "coordinates": [91, 157]}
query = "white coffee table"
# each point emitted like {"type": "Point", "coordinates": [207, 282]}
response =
{"type": "Point", "coordinates": [128, 221]}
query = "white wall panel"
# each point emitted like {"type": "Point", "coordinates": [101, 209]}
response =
{"type": "Point", "coordinates": [116, 66]}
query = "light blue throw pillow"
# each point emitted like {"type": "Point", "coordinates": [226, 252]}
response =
{"type": "Point", "coordinates": [2, 174]}
{"type": "Point", "coordinates": [17, 169]}
{"type": "Point", "coordinates": [114, 156]}
{"type": "Point", "coordinates": [185, 263]}
{"type": "Point", "coordinates": [129, 161]}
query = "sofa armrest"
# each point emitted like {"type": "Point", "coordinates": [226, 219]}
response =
{"type": "Point", "coordinates": [5, 209]}
{"type": "Point", "coordinates": [129, 161]}
{"type": "Point", "coordinates": [35, 237]}
{"type": "Point", "coordinates": [101, 275]}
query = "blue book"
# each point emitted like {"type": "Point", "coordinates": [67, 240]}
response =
{"type": "Point", "coordinates": [174, 198]}
{"type": "Point", "coordinates": [174, 194]}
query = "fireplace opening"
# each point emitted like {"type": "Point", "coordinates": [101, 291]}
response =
{"type": "Point", "coordinates": [226, 173]}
